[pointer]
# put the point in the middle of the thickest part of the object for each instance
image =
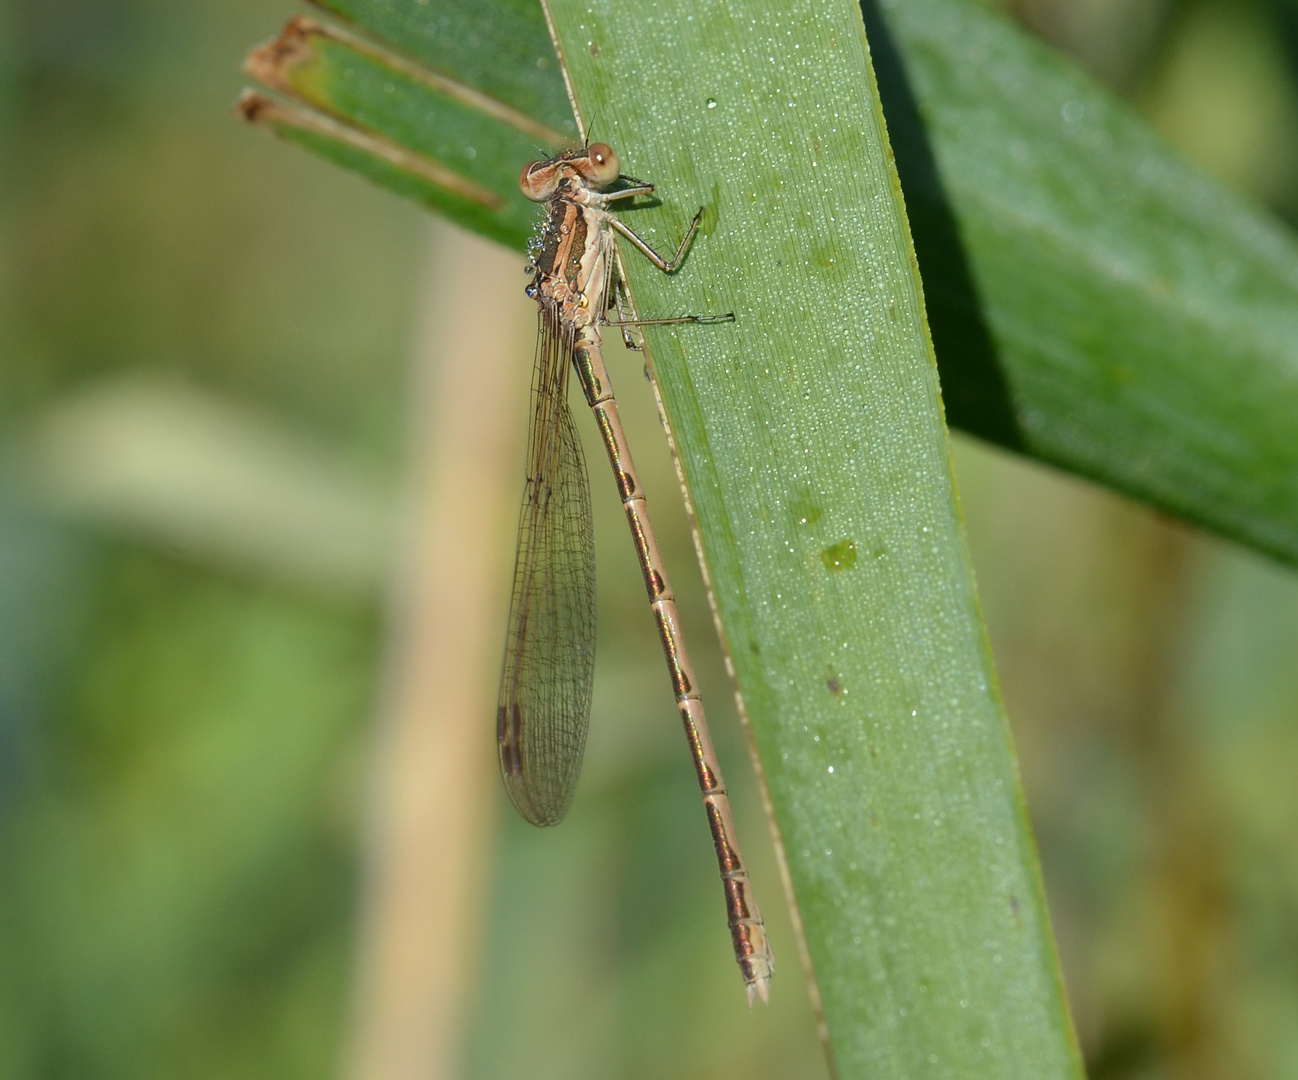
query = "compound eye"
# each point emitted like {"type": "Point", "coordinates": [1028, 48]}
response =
{"type": "Point", "coordinates": [539, 180]}
{"type": "Point", "coordinates": [604, 165]}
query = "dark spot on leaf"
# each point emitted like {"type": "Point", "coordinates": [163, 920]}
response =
{"type": "Point", "coordinates": [840, 556]}
{"type": "Point", "coordinates": [711, 212]}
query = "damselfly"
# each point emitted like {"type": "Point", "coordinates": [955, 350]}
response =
{"type": "Point", "coordinates": [545, 689]}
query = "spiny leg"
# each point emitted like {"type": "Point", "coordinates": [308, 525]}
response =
{"type": "Point", "coordinates": [667, 266]}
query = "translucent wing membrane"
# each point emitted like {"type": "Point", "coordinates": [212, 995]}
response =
{"type": "Point", "coordinates": [544, 708]}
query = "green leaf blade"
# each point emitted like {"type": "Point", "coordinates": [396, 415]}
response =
{"type": "Point", "coordinates": [812, 443]}
{"type": "Point", "coordinates": [375, 95]}
{"type": "Point", "coordinates": [391, 166]}
{"type": "Point", "coordinates": [1143, 320]}
{"type": "Point", "coordinates": [501, 49]}
{"type": "Point", "coordinates": [413, 112]}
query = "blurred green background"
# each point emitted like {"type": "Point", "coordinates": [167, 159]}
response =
{"type": "Point", "coordinates": [206, 346]}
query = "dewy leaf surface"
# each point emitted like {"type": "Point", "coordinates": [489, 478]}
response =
{"type": "Point", "coordinates": [1095, 302]}
{"type": "Point", "coordinates": [811, 437]}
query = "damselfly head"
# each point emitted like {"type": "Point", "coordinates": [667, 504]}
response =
{"type": "Point", "coordinates": [597, 164]}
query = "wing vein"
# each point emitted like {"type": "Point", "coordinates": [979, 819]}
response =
{"type": "Point", "coordinates": [543, 712]}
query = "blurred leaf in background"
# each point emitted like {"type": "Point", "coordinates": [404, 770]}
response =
{"type": "Point", "coordinates": [183, 712]}
{"type": "Point", "coordinates": [1149, 671]}
{"type": "Point", "coordinates": [183, 730]}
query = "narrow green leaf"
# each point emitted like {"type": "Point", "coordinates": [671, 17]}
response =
{"type": "Point", "coordinates": [811, 439]}
{"type": "Point", "coordinates": [390, 165]}
{"type": "Point", "coordinates": [473, 143]}
{"type": "Point", "coordinates": [1095, 302]}
{"type": "Point", "coordinates": [500, 49]}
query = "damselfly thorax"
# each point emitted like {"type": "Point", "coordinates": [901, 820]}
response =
{"type": "Point", "coordinates": [544, 708]}
{"type": "Point", "coordinates": [573, 256]}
